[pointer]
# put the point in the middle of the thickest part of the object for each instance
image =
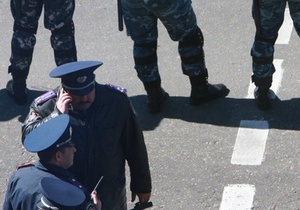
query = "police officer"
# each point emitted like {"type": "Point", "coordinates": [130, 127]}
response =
{"type": "Point", "coordinates": [104, 129]}
{"type": "Point", "coordinates": [180, 21]}
{"type": "Point", "coordinates": [268, 17]}
{"type": "Point", "coordinates": [58, 18]}
{"type": "Point", "coordinates": [52, 142]}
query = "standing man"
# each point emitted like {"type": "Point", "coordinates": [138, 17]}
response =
{"type": "Point", "coordinates": [52, 142]}
{"type": "Point", "coordinates": [58, 18]}
{"type": "Point", "coordinates": [268, 17]}
{"type": "Point", "coordinates": [104, 129]}
{"type": "Point", "coordinates": [178, 17]}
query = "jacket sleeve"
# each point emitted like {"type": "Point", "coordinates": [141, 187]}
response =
{"type": "Point", "coordinates": [10, 201]}
{"type": "Point", "coordinates": [38, 114]}
{"type": "Point", "coordinates": [7, 202]}
{"type": "Point", "coordinates": [136, 155]}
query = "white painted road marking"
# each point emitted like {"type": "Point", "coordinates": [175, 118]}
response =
{"type": "Point", "coordinates": [277, 78]}
{"type": "Point", "coordinates": [250, 143]}
{"type": "Point", "coordinates": [238, 197]}
{"type": "Point", "coordinates": [286, 29]}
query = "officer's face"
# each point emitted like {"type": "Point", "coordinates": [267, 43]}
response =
{"type": "Point", "coordinates": [83, 102]}
{"type": "Point", "coordinates": [67, 157]}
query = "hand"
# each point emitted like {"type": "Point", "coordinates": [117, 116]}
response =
{"type": "Point", "coordinates": [143, 197]}
{"type": "Point", "coordinates": [63, 101]}
{"type": "Point", "coordinates": [96, 200]}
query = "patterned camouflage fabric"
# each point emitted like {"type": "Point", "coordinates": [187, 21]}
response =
{"type": "Point", "coordinates": [178, 17]}
{"type": "Point", "coordinates": [58, 16]}
{"type": "Point", "coordinates": [271, 16]}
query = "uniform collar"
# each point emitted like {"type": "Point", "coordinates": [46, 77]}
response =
{"type": "Point", "coordinates": [53, 169]}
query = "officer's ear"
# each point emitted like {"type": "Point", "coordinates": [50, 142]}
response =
{"type": "Point", "coordinates": [58, 156]}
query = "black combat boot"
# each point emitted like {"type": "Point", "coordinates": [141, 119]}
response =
{"type": "Point", "coordinates": [262, 92]}
{"type": "Point", "coordinates": [16, 87]}
{"type": "Point", "coordinates": [17, 90]}
{"type": "Point", "coordinates": [155, 96]}
{"type": "Point", "coordinates": [202, 91]}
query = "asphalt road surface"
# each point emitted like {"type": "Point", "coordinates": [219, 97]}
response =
{"type": "Point", "coordinates": [225, 154]}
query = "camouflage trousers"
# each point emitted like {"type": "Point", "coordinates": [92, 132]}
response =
{"type": "Point", "coordinates": [178, 17]}
{"type": "Point", "coordinates": [58, 18]}
{"type": "Point", "coordinates": [268, 17]}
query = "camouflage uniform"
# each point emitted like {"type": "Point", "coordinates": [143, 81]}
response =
{"type": "Point", "coordinates": [268, 17]}
{"type": "Point", "coordinates": [179, 19]}
{"type": "Point", "coordinates": [271, 14]}
{"type": "Point", "coordinates": [58, 16]}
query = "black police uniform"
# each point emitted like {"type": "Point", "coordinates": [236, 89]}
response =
{"type": "Point", "coordinates": [105, 136]}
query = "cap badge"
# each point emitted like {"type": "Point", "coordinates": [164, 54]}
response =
{"type": "Point", "coordinates": [81, 79]}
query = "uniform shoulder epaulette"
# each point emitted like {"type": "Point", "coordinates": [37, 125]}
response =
{"type": "Point", "coordinates": [117, 88]}
{"type": "Point", "coordinates": [45, 97]}
{"type": "Point", "coordinates": [24, 165]}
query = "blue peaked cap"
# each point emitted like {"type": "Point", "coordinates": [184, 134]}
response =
{"type": "Point", "coordinates": [52, 134]}
{"type": "Point", "coordinates": [77, 77]}
{"type": "Point", "coordinates": [60, 194]}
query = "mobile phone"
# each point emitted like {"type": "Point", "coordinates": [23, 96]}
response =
{"type": "Point", "coordinates": [69, 105]}
{"type": "Point", "coordinates": [64, 90]}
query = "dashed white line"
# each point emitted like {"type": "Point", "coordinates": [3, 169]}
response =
{"type": "Point", "coordinates": [250, 143]}
{"type": "Point", "coordinates": [238, 197]}
{"type": "Point", "coordinates": [286, 29]}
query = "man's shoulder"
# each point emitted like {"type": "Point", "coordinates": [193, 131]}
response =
{"type": "Point", "coordinates": [113, 96]}
{"type": "Point", "coordinates": [30, 172]}
{"type": "Point", "coordinates": [25, 165]}
{"type": "Point", "coordinates": [40, 100]}
{"type": "Point", "coordinates": [45, 97]}
{"type": "Point", "coordinates": [22, 171]}
{"type": "Point", "coordinates": [116, 89]}
{"type": "Point", "coordinates": [45, 103]}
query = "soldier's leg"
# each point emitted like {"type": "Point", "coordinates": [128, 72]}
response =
{"type": "Point", "coordinates": [180, 21]}
{"type": "Point", "coordinates": [63, 44]}
{"type": "Point", "coordinates": [142, 28]}
{"type": "Point", "coordinates": [58, 18]}
{"type": "Point", "coordinates": [26, 15]}
{"type": "Point", "coordinates": [268, 21]}
{"type": "Point", "coordinates": [294, 7]}
{"type": "Point", "coordinates": [193, 64]}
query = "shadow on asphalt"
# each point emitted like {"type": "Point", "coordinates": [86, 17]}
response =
{"type": "Point", "coordinates": [10, 110]}
{"type": "Point", "coordinates": [226, 112]}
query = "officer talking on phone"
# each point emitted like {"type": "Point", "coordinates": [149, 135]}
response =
{"type": "Point", "coordinates": [104, 129]}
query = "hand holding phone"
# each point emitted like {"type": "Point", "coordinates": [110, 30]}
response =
{"type": "Point", "coordinates": [63, 102]}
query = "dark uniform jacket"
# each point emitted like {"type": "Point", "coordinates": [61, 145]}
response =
{"type": "Point", "coordinates": [105, 136]}
{"type": "Point", "coordinates": [23, 190]}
